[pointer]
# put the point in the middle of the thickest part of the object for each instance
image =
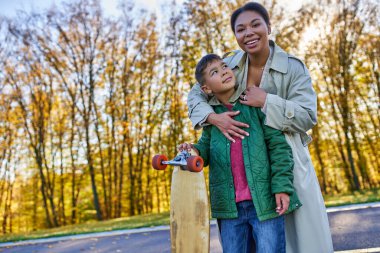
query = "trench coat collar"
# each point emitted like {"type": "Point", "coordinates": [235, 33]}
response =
{"type": "Point", "coordinates": [279, 62]}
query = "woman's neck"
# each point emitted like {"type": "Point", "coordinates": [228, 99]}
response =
{"type": "Point", "coordinates": [259, 59]}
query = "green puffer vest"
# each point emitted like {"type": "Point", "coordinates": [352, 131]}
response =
{"type": "Point", "coordinates": [268, 164]}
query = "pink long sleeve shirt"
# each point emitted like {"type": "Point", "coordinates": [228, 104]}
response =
{"type": "Point", "coordinates": [238, 169]}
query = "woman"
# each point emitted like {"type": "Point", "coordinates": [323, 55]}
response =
{"type": "Point", "coordinates": [280, 84]}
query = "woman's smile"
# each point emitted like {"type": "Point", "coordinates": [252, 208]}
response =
{"type": "Point", "coordinates": [252, 43]}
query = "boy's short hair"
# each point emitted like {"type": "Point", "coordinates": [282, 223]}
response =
{"type": "Point", "coordinates": [202, 65]}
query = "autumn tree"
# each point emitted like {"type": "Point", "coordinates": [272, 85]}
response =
{"type": "Point", "coordinates": [86, 100]}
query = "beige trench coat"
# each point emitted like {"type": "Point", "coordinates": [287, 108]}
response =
{"type": "Point", "coordinates": [290, 107]}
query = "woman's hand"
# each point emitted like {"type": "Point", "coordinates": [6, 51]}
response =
{"type": "Point", "coordinates": [254, 96]}
{"type": "Point", "coordinates": [227, 125]}
{"type": "Point", "coordinates": [188, 147]}
{"type": "Point", "coordinates": [282, 203]}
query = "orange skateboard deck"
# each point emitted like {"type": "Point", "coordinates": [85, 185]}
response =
{"type": "Point", "coordinates": [189, 208]}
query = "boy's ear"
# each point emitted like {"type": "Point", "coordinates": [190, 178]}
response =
{"type": "Point", "coordinates": [206, 89]}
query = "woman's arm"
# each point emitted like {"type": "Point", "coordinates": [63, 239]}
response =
{"type": "Point", "coordinates": [199, 109]}
{"type": "Point", "coordinates": [295, 113]}
{"type": "Point", "coordinates": [202, 114]}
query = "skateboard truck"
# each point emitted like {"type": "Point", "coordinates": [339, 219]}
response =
{"type": "Point", "coordinates": [184, 160]}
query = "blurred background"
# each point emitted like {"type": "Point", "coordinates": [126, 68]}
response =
{"type": "Point", "coordinates": [90, 90]}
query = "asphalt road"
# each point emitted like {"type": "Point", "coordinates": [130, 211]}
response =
{"type": "Point", "coordinates": [356, 229]}
{"type": "Point", "coordinates": [351, 229]}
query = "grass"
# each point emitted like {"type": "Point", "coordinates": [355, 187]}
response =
{"type": "Point", "coordinates": [151, 220]}
{"type": "Point", "coordinates": [357, 197]}
{"type": "Point", "coordinates": [147, 220]}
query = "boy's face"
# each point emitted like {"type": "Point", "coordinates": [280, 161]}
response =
{"type": "Point", "coordinates": [218, 78]}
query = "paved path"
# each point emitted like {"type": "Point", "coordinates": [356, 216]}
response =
{"type": "Point", "coordinates": [354, 227]}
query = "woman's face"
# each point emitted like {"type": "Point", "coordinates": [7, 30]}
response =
{"type": "Point", "coordinates": [251, 32]}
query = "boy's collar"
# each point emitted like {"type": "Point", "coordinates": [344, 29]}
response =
{"type": "Point", "coordinates": [214, 101]}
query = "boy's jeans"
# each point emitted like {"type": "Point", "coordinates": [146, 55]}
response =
{"type": "Point", "coordinates": [269, 235]}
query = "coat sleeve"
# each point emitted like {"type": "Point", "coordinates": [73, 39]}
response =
{"type": "Point", "coordinates": [280, 158]}
{"type": "Point", "coordinates": [203, 145]}
{"type": "Point", "coordinates": [197, 100]}
{"type": "Point", "coordinates": [298, 111]}
{"type": "Point", "coordinates": [198, 107]}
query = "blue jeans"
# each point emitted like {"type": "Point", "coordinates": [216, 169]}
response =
{"type": "Point", "coordinates": [269, 235]}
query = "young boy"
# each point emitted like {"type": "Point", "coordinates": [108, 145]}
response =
{"type": "Point", "coordinates": [250, 179]}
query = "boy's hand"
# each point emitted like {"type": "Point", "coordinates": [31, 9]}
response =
{"type": "Point", "coordinates": [188, 147]}
{"type": "Point", "coordinates": [227, 125]}
{"type": "Point", "coordinates": [282, 202]}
